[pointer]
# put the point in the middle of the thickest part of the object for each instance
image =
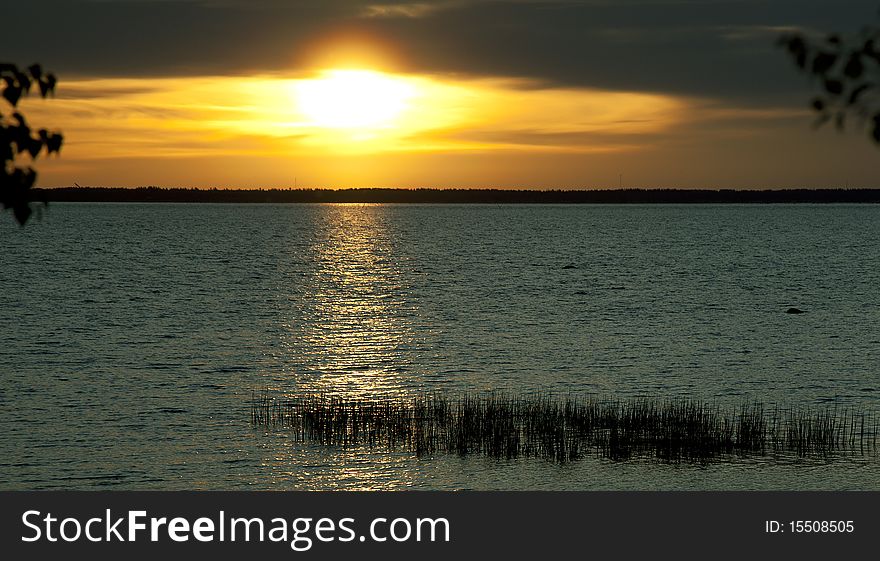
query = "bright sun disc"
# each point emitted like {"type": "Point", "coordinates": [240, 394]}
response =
{"type": "Point", "coordinates": [352, 99]}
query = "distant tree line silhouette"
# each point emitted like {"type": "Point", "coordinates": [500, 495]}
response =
{"type": "Point", "coordinates": [17, 139]}
{"type": "Point", "coordinates": [474, 196]}
{"type": "Point", "coordinates": [847, 70]}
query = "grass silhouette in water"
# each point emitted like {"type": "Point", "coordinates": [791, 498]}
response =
{"type": "Point", "coordinates": [565, 429]}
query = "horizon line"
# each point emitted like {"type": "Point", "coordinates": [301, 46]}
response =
{"type": "Point", "coordinates": [76, 187]}
{"type": "Point", "coordinates": [455, 195]}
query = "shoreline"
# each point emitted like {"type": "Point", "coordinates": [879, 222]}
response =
{"type": "Point", "coordinates": [457, 196]}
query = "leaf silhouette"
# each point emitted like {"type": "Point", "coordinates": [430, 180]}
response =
{"type": "Point", "coordinates": [34, 147]}
{"type": "Point", "coordinates": [53, 143]}
{"type": "Point", "coordinates": [834, 87]}
{"type": "Point", "coordinates": [854, 67]}
{"type": "Point", "coordinates": [27, 177]}
{"type": "Point", "coordinates": [796, 44]}
{"type": "Point", "coordinates": [823, 62]}
{"type": "Point", "coordinates": [11, 92]}
{"type": "Point", "coordinates": [36, 71]}
{"type": "Point", "coordinates": [848, 72]}
{"type": "Point", "coordinates": [796, 47]}
{"type": "Point", "coordinates": [16, 182]}
{"type": "Point", "coordinates": [857, 92]}
{"type": "Point", "coordinates": [24, 83]}
{"type": "Point", "coordinates": [47, 85]}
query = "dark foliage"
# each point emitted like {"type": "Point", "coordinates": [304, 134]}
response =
{"type": "Point", "coordinates": [846, 70]}
{"type": "Point", "coordinates": [18, 140]}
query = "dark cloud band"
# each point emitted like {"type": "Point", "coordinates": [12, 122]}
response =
{"type": "Point", "coordinates": [715, 48]}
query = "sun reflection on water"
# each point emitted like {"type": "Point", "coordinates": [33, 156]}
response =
{"type": "Point", "coordinates": [355, 320]}
{"type": "Point", "coordinates": [348, 330]}
{"type": "Point", "coordinates": [295, 465]}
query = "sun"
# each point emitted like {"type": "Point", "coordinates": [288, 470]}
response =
{"type": "Point", "coordinates": [352, 99]}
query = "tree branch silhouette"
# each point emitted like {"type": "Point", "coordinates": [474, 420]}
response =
{"type": "Point", "coordinates": [847, 71]}
{"type": "Point", "coordinates": [17, 140]}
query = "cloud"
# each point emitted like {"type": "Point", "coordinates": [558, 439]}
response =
{"type": "Point", "coordinates": [414, 10]}
{"type": "Point", "coordinates": [721, 49]}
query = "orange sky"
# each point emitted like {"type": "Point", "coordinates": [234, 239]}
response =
{"type": "Point", "coordinates": [359, 128]}
{"type": "Point", "coordinates": [643, 102]}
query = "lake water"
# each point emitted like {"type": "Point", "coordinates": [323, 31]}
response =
{"type": "Point", "coordinates": [133, 335]}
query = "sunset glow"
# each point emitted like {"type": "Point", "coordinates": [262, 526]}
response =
{"type": "Point", "coordinates": [325, 121]}
{"type": "Point", "coordinates": [508, 94]}
{"type": "Point", "coordinates": [352, 99]}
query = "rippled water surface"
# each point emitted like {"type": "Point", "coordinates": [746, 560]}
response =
{"type": "Point", "coordinates": [133, 335]}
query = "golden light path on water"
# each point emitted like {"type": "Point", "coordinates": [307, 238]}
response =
{"type": "Point", "coordinates": [352, 317]}
{"type": "Point", "coordinates": [293, 465]}
{"type": "Point", "coordinates": [347, 326]}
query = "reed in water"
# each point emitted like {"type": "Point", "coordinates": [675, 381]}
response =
{"type": "Point", "coordinates": [567, 428]}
